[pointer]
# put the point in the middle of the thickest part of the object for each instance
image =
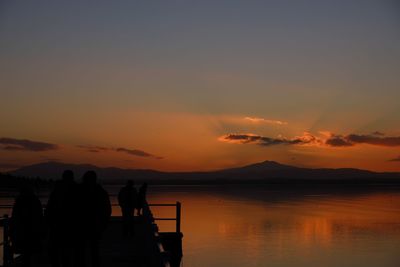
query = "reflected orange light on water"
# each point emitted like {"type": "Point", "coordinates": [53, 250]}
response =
{"type": "Point", "coordinates": [273, 225]}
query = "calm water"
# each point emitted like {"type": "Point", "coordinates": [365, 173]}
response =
{"type": "Point", "coordinates": [247, 226]}
{"type": "Point", "coordinates": [250, 226]}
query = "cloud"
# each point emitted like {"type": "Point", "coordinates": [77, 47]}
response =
{"type": "Point", "coordinates": [370, 139]}
{"type": "Point", "coordinates": [327, 139]}
{"type": "Point", "coordinates": [374, 140]}
{"type": "Point", "coordinates": [262, 120]}
{"type": "Point", "coordinates": [305, 139]}
{"type": "Point", "coordinates": [132, 152]}
{"type": "Point", "coordinates": [136, 152]}
{"type": "Point", "coordinates": [338, 141]}
{"type": "Point", "coordinates": [395, 159]}
{"type": "Point", "coordinates": [378, 133]}
{"type": "Point", "coordinates": [94, 149]}
{"type": "Point", "coordinates": [25, 145]}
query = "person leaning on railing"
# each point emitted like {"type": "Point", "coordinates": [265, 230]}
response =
{"type": "Point", "coordinates": [141, 198]}
{"type": "Point", "coordinates": [127, 200]}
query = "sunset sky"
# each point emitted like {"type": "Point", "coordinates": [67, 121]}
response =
{"type": "Point", "coordinates": [200, 85]}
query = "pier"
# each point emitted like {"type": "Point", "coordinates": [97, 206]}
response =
{"type": "Point", "coordinates": [147, 248]}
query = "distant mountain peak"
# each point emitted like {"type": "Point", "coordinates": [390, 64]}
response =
{"type": "Point", "coordinates": [263, 166]}
{"type": "Point", "coordinates": [271, 163]}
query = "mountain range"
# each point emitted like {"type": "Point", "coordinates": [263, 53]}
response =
{"type": "Point", "coordinates": [267, 171]}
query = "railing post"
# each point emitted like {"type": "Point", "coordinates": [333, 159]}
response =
{"type": "Point", "coordinates": [6, 245]}
{"type": "Point", "coordinates": [178, 217]}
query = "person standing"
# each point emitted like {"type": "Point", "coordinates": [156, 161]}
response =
{"type": "Point", "coordinates": [62, 220]}
{"type": "Point", "coordinates": [127, 199]}
{"type": "Point", "coordinates": [26, 225]}
{"type": "Point", "coordinates": [95, 213]}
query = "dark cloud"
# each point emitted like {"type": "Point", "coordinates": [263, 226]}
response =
{"type": "Point", "coordinates": [136, 152]}
{"type": "Point", "coordinates": [25, 145]}
{"type": "Point", "coordinates": [374, 140]}
{"type": "Point", "coordinates": [132, 152]}
{"type": "Point", "coordinates": [377, 139]}
{"type": "Point", "coordinates": [13, 148]}
{"type": "Point", "coordinates": [94, 149]}
{"type": "Point", "coordinates": [332, 140]}
{"type": "Point", "coordinates": [378, 133]}
{"type": "Point", "coordinates": [268, 141]}
{"type": "Point", "coordinates": [338, 141]}
{"type": "Point", "coordinates": [395, 159]}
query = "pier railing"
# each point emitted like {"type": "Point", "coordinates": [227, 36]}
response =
{"type": "Point", "coordinates": [178, 213]}
{"type": "Point", "coordinates": [5, 243]}
{"type": "Point", "coordinates": [177, 218]}
{"type": "Point", "coordinates": [168, 244]}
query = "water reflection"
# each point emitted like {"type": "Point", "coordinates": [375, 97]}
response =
{"type": "Point", "coordinates": [258, 227]}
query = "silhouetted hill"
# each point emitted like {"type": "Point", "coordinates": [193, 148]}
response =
{"type": "Point", "coordinates": [10, 182]}
{"type": "Point", "coordinates": [53, 170]}
{"type": "Point", "coordinates": [267, 171]}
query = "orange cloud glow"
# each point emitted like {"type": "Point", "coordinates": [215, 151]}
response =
{"type": "Point", "coordinates": [327, 139]}
{"type": "Point", "coordinates": [262, 120]}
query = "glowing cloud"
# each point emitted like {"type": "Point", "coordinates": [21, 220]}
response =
{"type": "Point", "coordinates": [327, 139]}
{"type": "Point", "coordinates": [306, 138]}
{"type": "Point", "coordinates": [262, 120]}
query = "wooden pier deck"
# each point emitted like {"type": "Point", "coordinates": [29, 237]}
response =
{"type": "Point", "coordinates": [147, 248]}
{"type": "Point", "coordinates": [119, 251]}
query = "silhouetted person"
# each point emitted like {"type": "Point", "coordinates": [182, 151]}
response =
{"type": "Point", "coordinates": [127, 199]}
{"type": "Point", "coordinates": [61, 217]}
{"type": "Point", "coordinates": [26, 225]}
{"type": "Point", "coordinates": [95, 212]}
{"type": "Point", "coordinates": [141, 198]}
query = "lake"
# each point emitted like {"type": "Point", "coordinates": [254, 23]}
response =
{"type": "Point", "coordinates": [275, 227]}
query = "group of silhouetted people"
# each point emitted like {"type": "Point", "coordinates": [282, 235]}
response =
{"type": "Point", "coordinates": [75, 217]}
{"type": "Point", "coordinates": [130, 200]}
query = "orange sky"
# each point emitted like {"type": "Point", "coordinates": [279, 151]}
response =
{"type": "Point", "coordinates": [176, 86]}
{"type": "Point", "coordinates": [181, 142]}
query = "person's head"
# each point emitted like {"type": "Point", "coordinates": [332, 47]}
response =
{"type": "Point", "coordinates": [68, 176]}
{"type": "Point", "coordinates": [130, 183]}
{"type": "Point", "coordinates": [89, 178]}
